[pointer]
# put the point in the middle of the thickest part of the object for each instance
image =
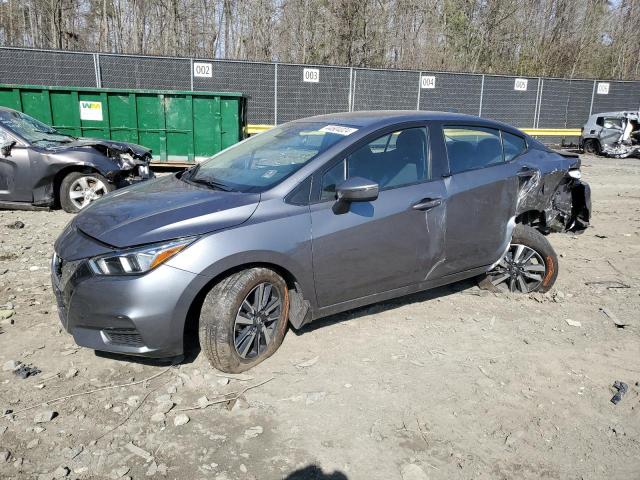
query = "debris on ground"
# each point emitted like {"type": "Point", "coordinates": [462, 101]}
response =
{"type": "Point", "coordinates": [573, 323]}
{"type": "Point", "coordinates": [622, 389]}
{"type": "Point", "coordinates": [308, 363]}
{"type": "Point", "coordinates": [17, 225]}
{"type": "Point", "coordinates": [45, 416]}
{"type": "Point", "coordinates": [180, 420]}
{"type": "Point", "coordinates": [619, 323]}
{"type": "Point", "coordinates": [11, 366]}
{"type": "Point", "coordinates": [609, 284]}
{"type": "Point", "coordinates": [26, 371]}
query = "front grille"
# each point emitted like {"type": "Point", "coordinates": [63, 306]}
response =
{"type": "Point", "coordinates": [128, 337]}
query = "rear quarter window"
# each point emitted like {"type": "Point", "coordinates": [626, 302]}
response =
{"type": "Point", "coordinates": [513, 146]}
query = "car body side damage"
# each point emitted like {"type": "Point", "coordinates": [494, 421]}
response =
{"type": "Point", "coordinates": [555, 201]}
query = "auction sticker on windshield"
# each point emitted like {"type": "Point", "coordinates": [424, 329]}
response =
{"type": "Point", "coordinates": [338, 129]}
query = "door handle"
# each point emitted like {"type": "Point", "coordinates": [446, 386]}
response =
{"type": "Point", "coordinates": [427, 204]}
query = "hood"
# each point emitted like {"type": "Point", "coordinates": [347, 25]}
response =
{"type": "Point", "coordinates": [163, 209]}
{"type": "Point", "coordinates": [136, 151]}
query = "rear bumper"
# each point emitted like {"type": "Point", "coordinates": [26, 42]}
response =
{"type": "Point", "coordinates": [134, 315]}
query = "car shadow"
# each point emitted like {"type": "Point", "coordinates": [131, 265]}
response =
{"type": "Point", "coordinates": [313, 472]}
{"type": "Point", "coordinates": [386, 305]}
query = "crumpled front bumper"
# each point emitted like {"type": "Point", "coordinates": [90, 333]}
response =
{"type": "Point", "coordinates": [137, 174]}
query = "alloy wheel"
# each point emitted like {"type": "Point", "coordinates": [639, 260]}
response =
{"type": "Point", "coordinates": [522, 269]}
{"type": "Point", "coordinates": [257, 320]}
{"type": "Point", "coordinates": [85, 190]}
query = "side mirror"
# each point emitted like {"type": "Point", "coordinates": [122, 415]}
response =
{"type": "Point", "coordinates": [357, 189]}
{"type": "Point", "coordinates": [6, 147]}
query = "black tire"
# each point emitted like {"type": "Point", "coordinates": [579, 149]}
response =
{"type": "Point", "coordinates": [217, 329]}
{"type": "Point", "coordinates": [534, 240]}
{"type": "Point", "coordinates": [592, 146]}
{"type": "Point", "coordinates": [69, 183]}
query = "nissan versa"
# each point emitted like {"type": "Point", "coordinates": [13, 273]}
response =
{"type": "Point", "coordinates": [311, 218]}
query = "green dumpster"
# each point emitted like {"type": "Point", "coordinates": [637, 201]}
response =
{"type": "Point", "coordinates": [179, 126]}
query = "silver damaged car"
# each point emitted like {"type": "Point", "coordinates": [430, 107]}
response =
{"type": "Point", "coordinates": [308, 219]}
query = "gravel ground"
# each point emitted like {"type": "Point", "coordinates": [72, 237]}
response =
{"type": "Point", "coordinates": [451, 383]}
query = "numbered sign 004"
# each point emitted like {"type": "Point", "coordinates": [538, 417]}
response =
{"type": "Point", "coordinates": [311, 75]}
{"type": "Point", "coordinates": [427, 81]}
{"type": "Point", "coordinates": [201, 69]}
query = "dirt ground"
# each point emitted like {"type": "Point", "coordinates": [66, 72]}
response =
{"type": "Point", "coordinates": [447, 384]}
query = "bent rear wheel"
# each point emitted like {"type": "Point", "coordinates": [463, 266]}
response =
{"type": "Point", "coordinates": [244, 319]}
{"type": "Point", "coordinates": [529, 265]}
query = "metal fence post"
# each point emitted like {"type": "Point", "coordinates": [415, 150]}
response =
{"type": "Point", "coordinates": [350, 87]}
{"type": "Point", "coordinates": [275, 95]}
{"type": "Point", "coordinates": [481, 96]}
{"type": "Point", "coordinates": [353, 96]}
{"type": "Point", "coordinates": [419, 89]}
{"type": "Point", "coordinates": [96, 67]}
{"type": "Point", "coordinates": [191, 68]}
{"type": "Point", "coordinates": [593, 94]}
{"type": "Point", "coordinates": [538, 107]}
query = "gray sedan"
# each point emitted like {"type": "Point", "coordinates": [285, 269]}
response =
{"type": "Point", "coordinates": [312, 218]}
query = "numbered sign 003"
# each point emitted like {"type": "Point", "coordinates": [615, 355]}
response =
{"type": "Point", "coordinates": [311, 75]}
{"type": "Point", "coordinates": [201, 69]}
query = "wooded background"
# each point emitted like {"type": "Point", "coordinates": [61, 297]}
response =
{"type": "Point", "coordinates": [560, 38]}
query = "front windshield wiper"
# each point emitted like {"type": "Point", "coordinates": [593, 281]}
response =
{"type": "Point", "coordinates": [211, 183]}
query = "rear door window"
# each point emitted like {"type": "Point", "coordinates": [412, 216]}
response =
{"type": "Point", "coordinates": [470, 148]}
{"type": "Point", "coordinates": [513, 146]}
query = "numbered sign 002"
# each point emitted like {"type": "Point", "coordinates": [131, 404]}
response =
{"type": "Point", "coordinates": [201, 69]}
{"type": "Point", "coordinates": [311, 75]}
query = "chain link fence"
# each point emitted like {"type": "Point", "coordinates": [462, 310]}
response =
{"type": "Point", "coordinates": [283, 92]}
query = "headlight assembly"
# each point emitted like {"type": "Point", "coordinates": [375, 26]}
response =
{"type": "Point", "coordinates": [137, 260]}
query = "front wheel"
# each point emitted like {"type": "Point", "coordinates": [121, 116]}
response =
{"type": "Point", "coordinates": [79, 189]}
{"type": "Point", "coordinates": [243, 319]}
{"type": "Point", "coordinates": [530, 264]}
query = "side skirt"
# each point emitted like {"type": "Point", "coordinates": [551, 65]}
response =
{"type": "Point", "coordinates": [398, 292]}
{"type": "Point", "coordinates": [20, 206]}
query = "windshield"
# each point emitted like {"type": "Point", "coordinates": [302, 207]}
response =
{"type": "Point", "coordinates": [31, 129]}
{"type": "Point", "coordinates": [263, 161]}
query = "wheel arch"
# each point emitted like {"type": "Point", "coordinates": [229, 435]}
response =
{"type": "Point", "coordinates": [299, 305]}
{"type": "Point", "coordinates": [533, 218]}
{"type": "Point", "coordinates": [63, 172]}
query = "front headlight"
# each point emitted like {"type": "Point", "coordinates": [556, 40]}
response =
{"type": "Point", "coordinates": [137, 260]}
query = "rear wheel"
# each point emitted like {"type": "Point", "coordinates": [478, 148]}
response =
{"type": "Point", "coordinates": [79, 189]}
{"type": "Point", "coordinates": [530, 264]}
{"type": "Point", "coordinates": [591, 146]}
{"type": "Point", "coordinates": [243, 319]}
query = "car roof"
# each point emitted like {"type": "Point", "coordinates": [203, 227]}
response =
{"type": "Point", "coordinates": [620, 113]}
{"type": "Point", "coordinates": [382, 118]}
